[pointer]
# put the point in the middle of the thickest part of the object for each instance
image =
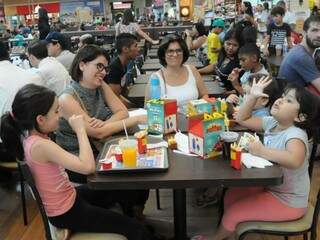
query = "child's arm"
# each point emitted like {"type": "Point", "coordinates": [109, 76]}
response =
{"type": "Point", "coordinates": [265, 43]}
{"type": "Point", "coordinates": [207, 69]}
{"type": "Point", "coordinates": [289, 41]}
{"type": "Point", "coordinates": [48, 151]}
{"type": "Point", "coordinates": [244, 117]}
{"type": "Point", "coordinates": [234, 79]}
{"type": "Point", "coordinates": [292, 157]}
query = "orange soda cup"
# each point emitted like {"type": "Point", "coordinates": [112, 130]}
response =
{"type": "Point", "coordinates": [129, 152]}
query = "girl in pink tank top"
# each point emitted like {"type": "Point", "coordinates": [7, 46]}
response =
{"type": "Point", "coordinates": [24, 131]}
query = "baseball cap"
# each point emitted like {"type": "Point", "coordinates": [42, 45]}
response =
{"type": "Point", "coordinates": [218, 22]}
{"type": "Point", "coordinates": [55, 37]}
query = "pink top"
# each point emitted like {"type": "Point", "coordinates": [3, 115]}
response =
{"type": "Point", "coordinates": [56, 191]}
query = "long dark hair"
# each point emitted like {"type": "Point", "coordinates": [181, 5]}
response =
{"type": "Point", "coordinates": [231, 34]}
{"type": "Point", "coordinates": [249, 10]}
{"type": "Point", "coordinates": [309, 108]}
{"type": "Point", "coordinates": [86, 54]}
{"type": "Point", "coordinates": [30, 101]}
{"type": "Point", "coordinates": [43, 15]}
{"type": "Point", "coordinates": [171, 38]}
{"type": "Point", "coordinates": [127, 17]}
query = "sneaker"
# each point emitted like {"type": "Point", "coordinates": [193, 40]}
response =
{"type": "Point", "coordinates": [205, 200]}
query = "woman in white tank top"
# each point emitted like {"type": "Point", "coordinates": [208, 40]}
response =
{"type": "Point", "coordinates": [178, 81]}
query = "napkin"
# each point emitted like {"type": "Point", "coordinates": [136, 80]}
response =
{"type": "Point", "coordinates": [157, 145]}
{"type": "Point", "coordinates": [182, 142]}
{"type": "Point", "coordinates": [138, 112]}
{"type": "Point", "coordinates": [250, 161]}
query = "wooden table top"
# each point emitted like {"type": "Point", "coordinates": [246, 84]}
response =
{"type": "Point", "coordinates": [188, 172]}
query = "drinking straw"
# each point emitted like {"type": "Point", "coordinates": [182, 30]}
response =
{"type": "Point", "coordinates": [226, 121]}
{"type": "Point", "coordinates": [125, 129]}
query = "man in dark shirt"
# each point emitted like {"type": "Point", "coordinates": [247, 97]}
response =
{"type": "Point", "coordinates": [128, 50]}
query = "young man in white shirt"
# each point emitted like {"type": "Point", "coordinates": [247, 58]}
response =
{"type": "Point", "coordinates": [53, 74]}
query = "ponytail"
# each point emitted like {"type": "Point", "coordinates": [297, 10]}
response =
{"type": "Point", "coordinates": [30, 101]}
{"type": "Point", "coordinates": [11, 136]}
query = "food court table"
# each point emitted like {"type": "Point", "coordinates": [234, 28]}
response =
{"type": "Point", "coordinates": [187, 172]}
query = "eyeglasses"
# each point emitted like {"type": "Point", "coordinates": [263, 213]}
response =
{"type": "Point", "coordinates": [177, 51]}
{"type": "Point", "coordinates": [102, 67]}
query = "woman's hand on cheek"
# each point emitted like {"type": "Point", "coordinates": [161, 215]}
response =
{"type": "Point", "coordinates": [255, 148]}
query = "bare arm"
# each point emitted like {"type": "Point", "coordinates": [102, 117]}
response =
{"type": "Point", "coordinates": [69, 106]}
{"type": "Point", "coordinates": [289, 41]}
{"type": "Point", "coordinates": [292, 157]}
{"type": "Point", "coordinates": [244, 117]}
{"type": "Point", "coordinates": [203, 92]}
{"type": "Point", "coordinates": [118, 109]}
{"type": "Point", "coordinates": [48, 151]}
{"type": "Point", "coordinates": [316, 84]}
{"type": "Point", "coordinates": [197, 43]}
{"type": "Point", "coordinates": [207, 69]}
{"type": "Point", "coordinates": [265, 43]}
{"type": "Point", "coordinates": [145, 36]}
{"type": "Point", "coordinates": [117, 92]}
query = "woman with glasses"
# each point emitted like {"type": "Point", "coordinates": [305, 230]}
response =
{"type": "Point", "coordinates": [104, 114]}
{"type": "Point", "coordinates": [90, 96]}
{"type": "Point", "coordinates": [177, 80]}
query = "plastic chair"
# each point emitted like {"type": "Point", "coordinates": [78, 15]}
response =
{"type": "Point", "coordinates": [308, 223]}
{"type": "Point", "coordinates": [54, 233]}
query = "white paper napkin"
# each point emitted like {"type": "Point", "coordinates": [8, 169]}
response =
{"type": "Point", "coordinates": [182, 142]}
{"type": "Point", "coordinates": [250, 161]}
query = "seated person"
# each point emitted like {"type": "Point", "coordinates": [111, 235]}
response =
{"type": "Point", "coordinates": [53, 74]}
{"type": "Point", "coordinates": [85, 40]}
{"type": "Point", "coordinates": [197, 37]}
{"type": "Point", "coordinates": [128, 50]}
{"type": "Point", "coordinates": [90, 96]}
{"type": "Point", "coordinates": [263, 104]}
{"type": "Point", "coordinates": [177, 80]}
{"type": "Point", "coordinates": [249, 56]}
{"type": "Point", "coordinates": [35, 110]}
{"type": "Point", "coordinates": [227, 60]}
{"type": "Point", "coordinates": [285, 144]}
{"type": "Point", "coordinates": [59, 47]}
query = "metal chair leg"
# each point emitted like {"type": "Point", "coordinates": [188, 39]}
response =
{"type": "Point", "coordinates": [158, 199]}
{"type": "Point", "coordinates": [23, 201]}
